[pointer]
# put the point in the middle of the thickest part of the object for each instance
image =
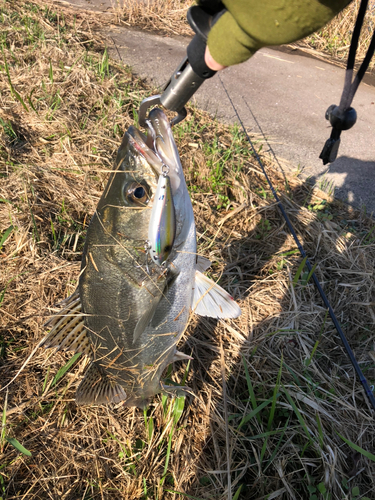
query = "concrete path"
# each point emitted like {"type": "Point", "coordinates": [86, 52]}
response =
{"type": "Point", "coordinates": [96, 6]}
{"type": "Point", "coordinates": [288, 94]}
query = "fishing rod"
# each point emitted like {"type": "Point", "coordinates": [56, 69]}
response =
{"type": "Point", "coordinates": [193, 71]}
{"type": "Point", "coordinates": [348, 349]}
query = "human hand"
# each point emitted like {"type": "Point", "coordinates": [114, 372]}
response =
{"type": "Point", "coordinates": [210, 61]}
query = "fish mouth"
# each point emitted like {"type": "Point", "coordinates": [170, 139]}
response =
{"type": "Point", "coordinates": [159, 149]}
{"type": "Point", "coordinates": [141, 143]}
{"type": "Point", "coordinates": [160, 133]}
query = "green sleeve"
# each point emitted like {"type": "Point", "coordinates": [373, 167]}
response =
{"type": "Point", "coordinates": [249, 25]}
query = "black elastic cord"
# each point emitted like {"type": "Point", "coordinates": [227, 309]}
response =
{"type": "Point", "coordinates": [343, 117]}
{"type": "Point", "coordinates": [350, 86]}
{"type": "Point", "coordinates": [358, 370]}
{"type": "Point", "coordinates": [363, 68]}
{"type": "Point", "coordinates": [356, 34]}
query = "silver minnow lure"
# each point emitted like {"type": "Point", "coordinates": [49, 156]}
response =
{"type": "Point", "coordinates": [162, 228]}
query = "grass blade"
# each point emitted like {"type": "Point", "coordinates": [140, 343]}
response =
{"type": "Point", "coordinates": [72, 66]}
{"type": "Point", "coordinates": [45, 380]}
{"type": "Point", "coordinates": [178, 409]}
{"type": "Point", "coordinates": [237, 494]}
{"type": "Point", "coordinates": [310, 274]}
{"type": "Point", "coordinates": [255, 412]}
{"type": "Point", "coordinates": [273, 409]}
{"type": "Point", "coordinates": [368, 234]}
{"type": "Point", "coordinates": [167, 456]}
{"type": "Point", "coordinates": [18, 446]}
{"type": "Point", "coordinates": [274, 453]}
{"type": "Point", "coordinates": [255, 437]}
{"type": "Point", "coordinates": [149, 424]}
{"type": "Point", "coordinates": [6, 235]}
{"type": "Point", "coordinates": [298, 413]}
{"type": "Point", "coordinates": [30, 101]}
{"type": "Point", "coordinates": [355, 447]}
{"type": "Point", "coordinates": [3, 422]}
{"type": "Point", "coordinates": [183, 382]}
{"type": "Point", "coordinates": [184, 494]}
{"type": "Point", "coordinates": [318, 341]}
{"type": "Point", "coordinates": [274, 397]}
{"type": "Point", "coordinates": [299, 271]}
{"type": "Point", "coordinates": [12, 89]}
{"type": "Point", "coordinates": [36, 233]}
{"type": "Point", "coordinates": [65, 368]}
{"type": "Point", "coordinates": [50, 72]}
{"type": "Point", "coordinates": [250, 387]}
{"type": "Point", "coordinates": [320, 431]}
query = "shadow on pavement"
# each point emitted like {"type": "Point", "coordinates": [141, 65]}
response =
{"type": "Point", "coordinates": [355, 178]}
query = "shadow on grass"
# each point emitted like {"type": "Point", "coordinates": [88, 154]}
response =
{"type": "Point", "coordinates": [290, 385]}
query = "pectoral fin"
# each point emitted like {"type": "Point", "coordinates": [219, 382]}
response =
{"type": "Point", "coordinates": [202, 263]}
{"type": "Point", "coordinates": [176, 390]}
{"type": "Point", "coordinates": [180, 356]}
{"type": "Point", "coordinates": [68, 331]}
{"type": "Point", "coordinates": [144, 320]}
{"type": "Point", "coordinates": [210, 300]}
{"type": "Point", "coordinates": [97, 388]}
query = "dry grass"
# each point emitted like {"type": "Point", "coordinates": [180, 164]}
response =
{"type": "Point", "coordinates": [290, 391]}
{"type": "Point", "coordinates": [334, 39]}
{"type": "Point", "coordinates": [167, 17]}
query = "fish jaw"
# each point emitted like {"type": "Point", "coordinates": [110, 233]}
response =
{"type": "Point", "coordinates": [165, 148]}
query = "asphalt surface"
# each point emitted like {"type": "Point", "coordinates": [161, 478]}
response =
{"type": "Point", "coordinates": [288, 93]}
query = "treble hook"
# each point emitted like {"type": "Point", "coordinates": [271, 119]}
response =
{"type": "Point", "coordinates": [147, 247]}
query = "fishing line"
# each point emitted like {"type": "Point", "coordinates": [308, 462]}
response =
{"type": "Point", "coordinates": [352, 358]}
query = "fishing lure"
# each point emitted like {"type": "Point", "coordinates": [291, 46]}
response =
{"type": "Point", "coordinates": [162, 227]}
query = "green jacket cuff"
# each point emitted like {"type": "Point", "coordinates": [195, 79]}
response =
{"type": "Point", "coordinates": [249, 25]}
{"type": "Point", "coordinates": [228, 43]}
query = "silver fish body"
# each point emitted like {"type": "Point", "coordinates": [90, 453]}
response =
{"type": "Point", "coordinates": [135, 316]}
{"type": "Point", "coordinates": [128, 315]}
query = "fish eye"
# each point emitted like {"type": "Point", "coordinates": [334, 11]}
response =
{"type": "Point", "coordinates": [137, 193]}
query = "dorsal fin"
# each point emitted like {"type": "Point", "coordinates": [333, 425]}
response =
{"type": "Point", "coordinates": [68, 331]}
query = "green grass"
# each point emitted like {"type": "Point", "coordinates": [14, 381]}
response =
{"type": "Point", "coordinates": [224, 160]}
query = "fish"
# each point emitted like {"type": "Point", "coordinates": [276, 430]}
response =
{"type": "Point", "coordinates": [130, 310]}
